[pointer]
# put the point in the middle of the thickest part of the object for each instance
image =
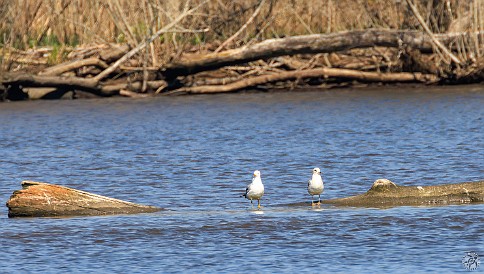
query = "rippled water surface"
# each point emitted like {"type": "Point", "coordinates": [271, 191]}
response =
{"type": "Point", "coordinates": [195, 155]}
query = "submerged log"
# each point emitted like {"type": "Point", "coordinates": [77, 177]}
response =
{"type": "Point", "coordinates": [385, 193]}
{"type": "Point", "coordinates": [46, 200]}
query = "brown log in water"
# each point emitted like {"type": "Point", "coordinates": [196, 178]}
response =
{"type": "Point", "coordinates": [385, 193]}
{"type": "Point", "coordinates": [46, 200]}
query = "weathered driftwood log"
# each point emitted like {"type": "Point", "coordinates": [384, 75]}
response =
{"type": "Point", "coordinates": [47, 200]}
{"type": "Point", "coordinates": [105, 56]}
{"type": "Point", "coordinates": [308, 44]}
{"type": "Point", "coordinates": [68, 66]}
{"type": "Point", "coordinates": [28, 80]}
{"type": "Point", "coordinates": [114, 53]}
{"type": "Point", "coordinates": [73, 83]}
{"type": "Point", "coordinates": [385, 193]}
{"type": "Point", "coordinates": [310, 73]}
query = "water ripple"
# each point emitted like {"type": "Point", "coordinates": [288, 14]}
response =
{"type": "Point", "coordinates": [195, 155]}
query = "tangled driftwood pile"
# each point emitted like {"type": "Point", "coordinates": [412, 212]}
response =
{"type": "Point", "coordinates": [325, 60]}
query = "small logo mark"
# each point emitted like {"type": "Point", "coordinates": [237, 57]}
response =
{"type": "Point", "coordinates": [471, 261]}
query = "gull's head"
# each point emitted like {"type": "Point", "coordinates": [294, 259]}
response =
{"type": "Point", "coordinates": [256, 174]}
{"type": "Point", "coordinates": [316, 171]}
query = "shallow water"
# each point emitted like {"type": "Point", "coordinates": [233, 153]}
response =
{"type": "Point", "coordinates": [194, 156]}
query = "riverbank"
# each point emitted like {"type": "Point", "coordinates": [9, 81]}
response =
{"type": "Point", "coordinates": [430, 51]}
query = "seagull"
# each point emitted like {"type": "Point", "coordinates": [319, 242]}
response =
{"type": "Point", "coordinates": [316, 186]}
{"type": "Point", "coordinates": [255, 190]}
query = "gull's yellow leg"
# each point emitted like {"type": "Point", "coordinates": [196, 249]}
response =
{"type": "Point", "coordinates": [319, 200]}
{"type": "Point", "coordinates": [258, 204]}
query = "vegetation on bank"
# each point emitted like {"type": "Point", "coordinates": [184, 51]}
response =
{"type": "Point", "coordinates": [70, 23]}
{"type": "Point", "coordinates": [37, 34]}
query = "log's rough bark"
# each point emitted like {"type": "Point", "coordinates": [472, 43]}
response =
{"type": "Point", "coordinates": [46, 200]}
{"type": "Point", "coordinates": [113, 54]}
{"type": "Point", "coordinates": [385, 193]}
{"type": "Point", "coordinates": [308, 44]}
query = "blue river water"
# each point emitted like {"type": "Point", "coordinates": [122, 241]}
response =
{"type": "Point", "coordinates": [194, 156]}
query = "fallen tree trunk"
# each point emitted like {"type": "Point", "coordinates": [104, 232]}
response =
{"type": "Point", "coordinates": [47, 200]}
{"type": "Point", "coordinates": [68, 66]}
{"type": "Point", "coordinates": [85, 84]}
{"type": "Point", "coordinates": [28, 80]}
{"type": "Point", "coordinates": [308, 44]}
{"type": "Point", "coordinates": [114, 53]}
{"type": "Point", "coordinates": [311, 73]}
{"type": "Point", "coordinates": [51, 84]}
{"type": "Point", "coordinates": [385, 193]}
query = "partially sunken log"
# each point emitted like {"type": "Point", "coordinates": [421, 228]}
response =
{"type": "Point", "coordinates": [46, 200]}
{"type": "Point", "coordinates": [385, 193]}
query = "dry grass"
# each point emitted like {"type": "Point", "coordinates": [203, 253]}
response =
{"type": "Point", "coordinates": [62, 23]}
